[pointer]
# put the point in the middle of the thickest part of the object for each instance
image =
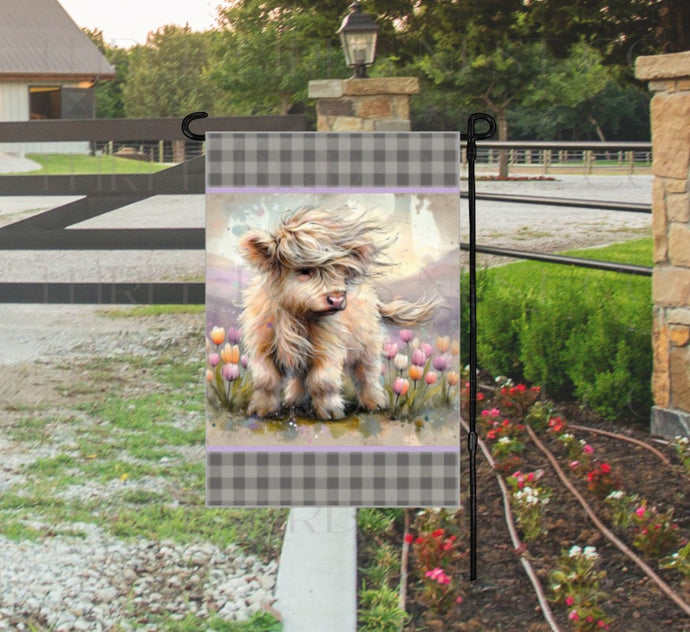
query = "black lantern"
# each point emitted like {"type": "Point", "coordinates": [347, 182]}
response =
{"type": "Point", "coordinates": [358, 34]}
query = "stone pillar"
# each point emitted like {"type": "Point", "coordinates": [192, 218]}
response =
{"type": "Point", "coordinates": [381, 104]}
{"type": "Point", "coordinates": [669, 79]}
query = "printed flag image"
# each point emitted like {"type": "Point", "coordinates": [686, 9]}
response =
{"type": "Point", "coordinates": [333, 319]}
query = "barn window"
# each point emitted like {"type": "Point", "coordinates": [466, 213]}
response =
{"type": "Point", "coordinates": [55, 102]}
{"type": "Point", "coordinates": [44, 102]}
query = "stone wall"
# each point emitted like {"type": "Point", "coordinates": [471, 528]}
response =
{"type": "Point", "coordinates": [669, 79]}
{"type": "Point", "coordinates": [379, 104]}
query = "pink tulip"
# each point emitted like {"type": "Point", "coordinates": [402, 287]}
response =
{"type": "Point", "coordinates": [213, 359]}
{"type": "Point", "coordinates": [400, 386]}
{"type": "Point", "coordinates": [390, 349]}
{"type": "Point", "coordinates": [406, 335]}
{"type": "Point", "coordinates": [418, 357]}
{"type": "Point", "coordinates": [442, 362]}
{"type": "Point", "coordinates": [231, 372]}
{"type": "Point", "coordinates": [234, 335]}
{"type": "Point", "coordinates": [427, 349]}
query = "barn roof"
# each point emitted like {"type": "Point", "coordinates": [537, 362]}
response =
{"type": "Point", "coordinates": [38, 37]}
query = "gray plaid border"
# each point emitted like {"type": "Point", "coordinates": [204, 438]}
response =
{"type": "Point", "coordinates": [361, 479]}
{"type": "Point", "coordinates": [333, 160]}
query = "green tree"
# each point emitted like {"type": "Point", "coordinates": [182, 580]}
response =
{"type": "Point", "coordinates": [267, 51]}
{"type": "Point", "coordinates": [620, 29]}
{"type": "Point", "coordinates": [109, 94]}
{"type": "Point", "coordinates": [168, 75]}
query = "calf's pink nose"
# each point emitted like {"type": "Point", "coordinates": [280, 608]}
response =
{"type": "Point", "coordinates": [336, 300]}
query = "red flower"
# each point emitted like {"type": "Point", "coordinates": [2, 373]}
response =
{"type": "Point", "coordinates": [438, 533]}
{"type": "Point", "coordinates": [605, 468]}
{"type": "Point", "coordinates": [491, 434]}
{"type": "Point", "coordinates": [409, 538]}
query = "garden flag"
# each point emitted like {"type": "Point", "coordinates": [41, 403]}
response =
{"type": "Point", "coordinates": [333, 319]}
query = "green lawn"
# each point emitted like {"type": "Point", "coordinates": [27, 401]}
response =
{"type": "Point", "coordinates": [635, 252]}
{"type": "Point", "coordinates": [67, 164]}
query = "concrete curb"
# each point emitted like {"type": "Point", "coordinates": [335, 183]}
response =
{"type": "Point", "coordinates": [316, 588]}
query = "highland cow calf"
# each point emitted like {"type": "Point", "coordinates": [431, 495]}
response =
{"type": "Point", "coordinates": [311, 312]}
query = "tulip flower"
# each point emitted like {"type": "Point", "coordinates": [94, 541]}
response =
{"type": "Point", "coordinates": [234, 335]}
{"type": "Point", "coordinates": [418, 357]}
{"type": "Point", "coordinates": [400, 386]}
{"type": "Point", "coordinates": [442, 363]}
{"type": "Point", "coordinates": [217, 335]}
{"type": "Point", "coordinates": [231, 372]}
{"type": "Point", "coordinates": [406, 335]}
{"type": "Point", "coordinates": [213, 359]}
{"type": "Point", "coordinates": [390, 349]}
{"type": "Point", "coordinates": [427, 349]}
{"type": "Point", "coordinates": [443, 344]}
{"type": "Point", "coordinates": [430, 378]}
{"type": "Point", "coordinates": [415, 372]}
{"type": "Point", "coordinates": [400, 362]}
{"type": "Point", "coordinates": [455, 348]}
{"type": "Point", "coordinates": [452, 378]}
{"type": "Point", "coordinates": [209, 375]}
{"type": "Point", "coordinates": [230, 353]}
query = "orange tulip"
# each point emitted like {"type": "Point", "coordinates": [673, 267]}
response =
{"type": "Point", "coordinates": [452, 378]}
{"type": "Point", "coordinates": [230, 354]}
{"type": "Point", "coordinates": [455, 348]}
{"type": "Point", "coordinates": [443, 343]}
{"type": "Point", "coordinates": [415, 372]}
{"type": "Point", "coordinates": [217, 335]}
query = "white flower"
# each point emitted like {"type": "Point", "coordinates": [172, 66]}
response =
{"type": "Point", "coordinates": [400, 362]}
{"type": "Point", "coordinates": [504, 440]}
{"type": "Point", "coordinates": [575, 551]}
{"type": "Point", "coordinates": [615, 495]}
{"type": "Point", "coordinates": [590, 553]}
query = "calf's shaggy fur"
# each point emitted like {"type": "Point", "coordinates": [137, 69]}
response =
{"type": "Point", "coordinates": [311, 312]}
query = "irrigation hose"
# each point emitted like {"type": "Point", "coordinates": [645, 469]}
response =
{"type": "Point", "coordinates": [661, 584]}
{"type": "Point", "coordinates": [517, 544]}
{"type": "Point", "coordinates": [620, 437]}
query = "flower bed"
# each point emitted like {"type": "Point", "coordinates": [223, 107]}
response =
{"type": "Point", "coordinates": [624, 567]}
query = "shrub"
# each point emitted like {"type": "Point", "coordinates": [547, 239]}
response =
{"type": "Point", "coordinates": [580, 334]}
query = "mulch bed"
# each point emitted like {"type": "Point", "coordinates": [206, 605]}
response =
{"type": "Point", "coordinates": [502, 597]}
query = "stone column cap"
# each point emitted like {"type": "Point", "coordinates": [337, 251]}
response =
{"type": "Point", "coordinates": [670, 66]}
{"type": "Point", "coordinates": [336, 88]}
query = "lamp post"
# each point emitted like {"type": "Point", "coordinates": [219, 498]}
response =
{"type": "Point", "coordinates": [358, 34]}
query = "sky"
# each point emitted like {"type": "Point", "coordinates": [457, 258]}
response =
{"type": "Point", "coordinates": [126, 22]}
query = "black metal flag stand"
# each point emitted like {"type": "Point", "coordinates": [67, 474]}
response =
{"type": "Point", "coordinates": [472, 136]}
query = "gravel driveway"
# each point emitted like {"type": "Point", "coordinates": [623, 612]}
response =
{"type": "Point", "coordinates": [90, 582]}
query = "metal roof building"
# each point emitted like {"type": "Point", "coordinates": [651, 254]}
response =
{"type": "Point", "coordinates": [48, 67]}
{"type": "Point", "coordinates": [39, 39]}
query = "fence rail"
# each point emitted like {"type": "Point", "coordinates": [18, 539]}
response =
{"type": "Point", "coordinates": [547, 157]}
{"type": "Point", "coordinates": [105, 192]}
